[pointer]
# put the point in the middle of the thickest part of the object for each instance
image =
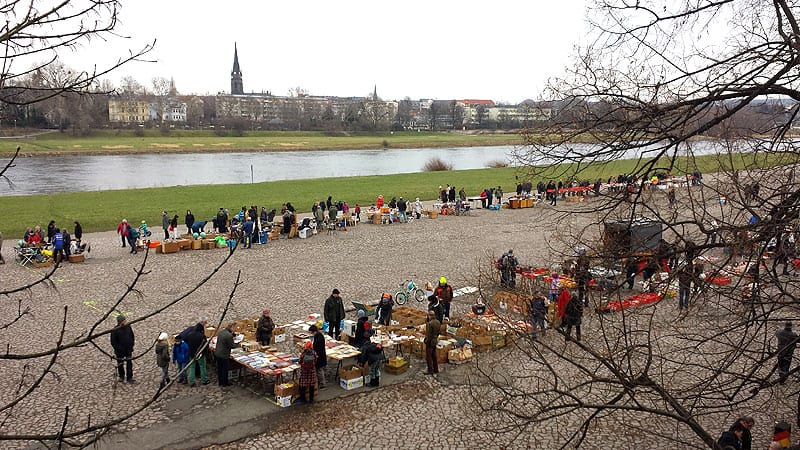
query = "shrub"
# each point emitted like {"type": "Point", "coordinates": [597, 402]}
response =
{"type": "Point", "coordinates": [436, 164]}
{"type": "Point", "coordinates": [497, 164]}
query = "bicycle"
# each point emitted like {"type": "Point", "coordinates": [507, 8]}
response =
{"type": "Point", "coordinates": [410, 290]}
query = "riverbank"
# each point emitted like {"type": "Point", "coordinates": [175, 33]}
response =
{"type": "Point", "coordinates": [121, 142]}
{"type": "Point", "coordinates": [102, 210]}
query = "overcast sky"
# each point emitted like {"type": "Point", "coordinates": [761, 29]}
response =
{"type": "Point", "coordinates": [498, 50]}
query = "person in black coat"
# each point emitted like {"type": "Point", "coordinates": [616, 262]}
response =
{"type": "Point", "coordinates": [78, 232]}
{"type": "Point", "coordinates": [189, 220]}
{"type": "Point", "coordinates": [732, 439]}
{"type": "Point", "coordinates": [361, 327]}
{"type": "Point", "coordinates": [573, 314]}
{"type": "Point", "coordinates": [122, 341]}
{"type": "Point", "coordinates": [322, 357]}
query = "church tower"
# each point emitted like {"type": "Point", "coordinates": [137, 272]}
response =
{"type": "Point", "coordinates": [237, 88]}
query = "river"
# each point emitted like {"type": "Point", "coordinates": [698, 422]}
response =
{"type": "Point", "coordinates": [53, 174]}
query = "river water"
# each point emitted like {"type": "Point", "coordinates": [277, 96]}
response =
{"type": "Point", "coordinates": [52, 174]}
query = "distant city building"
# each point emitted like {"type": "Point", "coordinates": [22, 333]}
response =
{"type": "Point", "coordinates": [237, 86]}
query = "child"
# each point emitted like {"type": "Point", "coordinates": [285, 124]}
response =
{"type": "Point", "coordinates": [180, 356]}
{"type": "Point", "coordinates": [162, 358]}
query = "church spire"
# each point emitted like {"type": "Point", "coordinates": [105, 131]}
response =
{"type": "Point", "coordinates": [237, 87]}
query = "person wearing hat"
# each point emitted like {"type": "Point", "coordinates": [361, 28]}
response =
{"type": "Point", "coordinates": [384, 309]}
{"type": "Point", "coordinates": [444, 292]}
{"type": "Point", "coordinates": [162, 358]}
{"type": "Point", "coordinates": [362, 326]}
{"type": "Point", "coordinates": [334, 314]}
{"type": "Point", "coordinates": [417, 208]}
{"type": "Point", "coordinates": [122, 341]}
{"type": "Point", "coordinates": [264, 328]}
{"type": "Point", "coordinates": [787, 342]}
{"type": "Point", "coordinates": [308, 372]}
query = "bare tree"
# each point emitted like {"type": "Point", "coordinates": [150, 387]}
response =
{"type": "Point", "coordinates": [653, 82]}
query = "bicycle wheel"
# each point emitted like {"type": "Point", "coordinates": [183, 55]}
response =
{"type": "Point", "coordinates": [400, 298]}
{"type": "Point", "coordinates": [419, 295]}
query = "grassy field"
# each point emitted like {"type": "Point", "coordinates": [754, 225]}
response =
{"type": "Point", "coordinates": [153, 141]}
{"type": "Point", "coordinates": [103, 210]}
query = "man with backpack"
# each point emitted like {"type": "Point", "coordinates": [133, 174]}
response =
{"type": "Point", "coordinates": [538, 313]}
{"type": "Point", "coordinates": [445, 295]}
{"type": "Point", "coordinates": [507, 264]}
{"type": "Point", "coordinates": [384, 309]}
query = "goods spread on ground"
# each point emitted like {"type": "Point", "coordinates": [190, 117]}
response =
{"type": "Point", "coordinates": [278, 364]}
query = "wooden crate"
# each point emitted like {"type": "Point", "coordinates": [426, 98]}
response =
{"type": "Point", "coordinates": [197, 244]}
{"type": "Point", "coordinates": [185, 244]}
{"type": "Point", "coordinates": [170, 247]}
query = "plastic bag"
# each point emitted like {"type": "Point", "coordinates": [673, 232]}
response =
{"type": "Point", "coordinates": [325, 326]}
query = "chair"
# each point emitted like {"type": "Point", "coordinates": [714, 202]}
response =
{"type": "Point", "coordinates": [25, 255]}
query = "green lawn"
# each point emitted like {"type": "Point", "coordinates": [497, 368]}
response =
{"type": "Point", "coordinates": [123, 141]}
{"type": "Point", "coordinates": [103, 210]}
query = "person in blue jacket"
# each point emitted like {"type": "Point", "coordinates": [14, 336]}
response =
{"type": "Point", "coordinates": [180, 356]}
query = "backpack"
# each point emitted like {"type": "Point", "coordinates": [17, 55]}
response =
{"type": "Point", "coordinates": [307, 360]}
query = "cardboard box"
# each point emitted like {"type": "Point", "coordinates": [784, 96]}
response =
{"type": "Point", "coordinates": [159, 249]}
{"type": "Point", "coordinates": [77, 258]}
{"type": "Point", "coordinates": [284, 401]}
{"type": "Point", "coordinates": [210, 331]}
{"type": "Point", "coordinates": [350, 384]}
{"type": "Point", "coordinates": [432, 214]}
{"type": "Point", "coordinates": [481, 339]}
{"type": "Point", "coordinates": [170, 247]}
{"type": "Point", "coordinates": [350, 372]}
{"type": "Point", "coordinates": [278, 338]}
{"type": "Point", "coordinates": [287, 389]}
{"type": "Point", "coordinates": [197, 244]}
{"type": "Point", "coordinates": [397, 370]}
{"type": "Point", "coordinates": [397, 361]}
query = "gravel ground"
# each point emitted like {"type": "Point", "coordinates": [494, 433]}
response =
{"type": "Point", "coordinates": [292, 278]}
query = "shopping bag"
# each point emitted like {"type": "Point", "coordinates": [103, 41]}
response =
{"type": "Point", "coordinates": [325, 326]}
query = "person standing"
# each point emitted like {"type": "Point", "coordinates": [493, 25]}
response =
{"type": "Point", "coordinates": [538, 313]}
{"type": "Point", "coordinates": [247, 232]}
{"type": "Point", "coordinates": [563, 298]}
{"type": "Point", "coordinates": [189, 220]}
{"type": "Point", "coordinates": [508, 270]}
{"type": "Point", "coordinates": [180, 356]}
{"type": "Point", "coordinates": [431, 339]}
{"type": "Point", "coordinates": [445, 295]}
{"type": "Point", "coordinates": [122, 230]}
{"type": "Point", "coordinates": [322, 357]}
{"type": "Point", "coordinates": [384, 309]}
{"type": "Point", "coordinates": [78, 232]}
{"type": "Point", "coordinates": [787, 342]}
{"type": "Point", "coordinates": [264, 328]}
{"type": "Point", "coordinates": [165, 224]}
{"type": "Point", "coordinates": [498, 194]}
{"type": "Point", "coordinates": [308, 372]}
{"type": "Point", "coordinates": [573, 315]}
{"type": "Point", "coordinates": [133, 236]}
{"type": "Point", "coordinates": [162, 358]}
{"type": "Point", "coordinates": [122, 341]}
{"type": "Point", "coordinates": [173, 227]}
{"type": "Point", "coordinates": [3, 261]}
{"type": "Point", "coordinates": [436, 307]}
{"type": "Point", "coordinates": [631, 269]}
{"type": "Point", "coordinates": [747, 423]}
{"type": "Point", "coordinates": [401, 210]}
{"type": "Point", "coordinates": [58, 246]}
{"type": "Point", "coordinates": [732, 439]}
{"type": "Point", "coordinates": [196, 340]}
{"type": "Point", "coordinates": [417, 208]}
{"type": "Point", "coordinates": [684, 287]}
{"type": "Point", "coordinates": [222, 353]}
{"type": "Point", "coordinates": [334, 314]}
{"type": "Point", "coordinates": [362, 326]}
{"type": "Point", "coordinates": [51, 231]}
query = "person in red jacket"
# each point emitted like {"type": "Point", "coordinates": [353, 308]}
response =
{"type": "Point", "coordinates": [563, 299]}
{"type": "Point", "coordinates": [445, 295]}
{"type": "Point", "coordinates": [122, 231]}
